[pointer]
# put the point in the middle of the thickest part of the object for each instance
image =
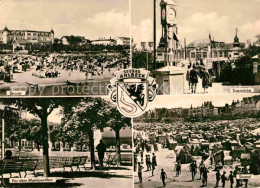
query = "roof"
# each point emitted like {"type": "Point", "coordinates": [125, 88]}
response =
{"type": "Point", "coordinates": [200, 43]}
{"type": "Point", "coordinates": [103, 40]}
{"type": "Point", "coordinates": [170, 70]}
{"type": "Point", "coordinates": [5, 29]}
{"type": "Point", "coordinates": [204, 43]}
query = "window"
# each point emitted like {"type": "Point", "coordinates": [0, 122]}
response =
{"type": "Point", "coordinates": [192, 55]}
{"type": "Point", "coordinates": [220, 54]}
{"type": "Point", "coordinates": [225, 53]}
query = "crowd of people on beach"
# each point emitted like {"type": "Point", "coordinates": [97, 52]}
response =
{"type": "Point", "coordinates": [195, 71]}
{"type": "Point", "coordinates": [199, 169]}
{"type": "Point", "coordinates": [52, 65]}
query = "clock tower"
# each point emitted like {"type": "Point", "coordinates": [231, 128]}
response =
{"type": "Point", "coordinates": [169, 38]}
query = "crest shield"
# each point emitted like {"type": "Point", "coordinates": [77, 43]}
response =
{"type": "Point", "coordinates": [132, 98]}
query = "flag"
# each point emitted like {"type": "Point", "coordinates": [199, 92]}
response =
{"type": "Point", "coordinates": [175, 37]}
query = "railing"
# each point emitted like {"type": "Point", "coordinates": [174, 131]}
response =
{"type": "Point", "coordinates": [58, 159]}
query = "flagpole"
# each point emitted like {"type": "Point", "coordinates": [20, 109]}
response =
{"type": "Point", "coordinates": [154, 34]}
{"type": "Point", "coordinates": [3, 139]}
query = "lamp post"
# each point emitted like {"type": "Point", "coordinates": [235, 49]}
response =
{"type": "Point", "coordinates": [3, 138]}
{"type": "Point", "coordinates": [154, 34]}
{"type": "Point", "coordinates": [150, 44]}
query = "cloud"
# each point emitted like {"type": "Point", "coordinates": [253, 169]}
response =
{"type": "Point", "coordinates": [81, 17]}
{"type": "Point", "coordinates": [198, 25]}
{"type": "Point", "coordinates": [250, 29]}
{"type": "Point", "coordinates": [143, 32]}
{"type": "Point", "coordinates": [194, 27]}
{"type": "Point", "coordinates": [112, 23]}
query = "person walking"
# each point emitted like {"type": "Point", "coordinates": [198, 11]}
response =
{"type": "Point", "coordinates": [201, 166]}
{"type": "Point", "coordinates": [135, 162]}
{"type": "Point", "coordinates": [193, 79]}
{"type": "Point", "coordinates": [205, 79]}
{"type": "Point", "coordinates": [153, 168]}
{"type": "Point", "coordinates": [140, 168]}
{"type": "Point", "coordinates": [246, 180]}
{"type": "Point", "coordinates": [142, 156]}
{"type": "Point", "coordinates": [223, 179]}
{"type": "Point", "coordinates": [231, 179]}
{"type": "Point", "coordinates": [101, 149]}
{"type": "Point", "coordinates": [205, 176]}
{"type": "Point", "coordinates": [193, 169]}
{"type": "Point", "coordinates": [163, 177]}
{"type": "Point", "coordinates": [217, 178]}
{"type": "Point", "coordinates": [154, 161]}
{"type": "Point", "coordinates": [188, 75]}
{"type": "Point", "coordinates": [149, 162]}
{"type": "Point", "coordinates": [178, 169]}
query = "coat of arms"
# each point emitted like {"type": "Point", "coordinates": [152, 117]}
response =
{"type": "Point", "coordinates": [131, 90]}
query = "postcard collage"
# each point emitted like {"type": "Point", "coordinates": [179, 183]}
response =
{"type": "Point", "coordinates": [130, 93]}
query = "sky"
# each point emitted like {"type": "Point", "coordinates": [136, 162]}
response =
{"type": "Point", "coordinates": [90, 18]}
{"type": "Point", "coordinates": [197, 17]}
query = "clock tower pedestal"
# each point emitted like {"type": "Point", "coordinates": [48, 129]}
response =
{"type": "Point", "coordinates": [170, 78]}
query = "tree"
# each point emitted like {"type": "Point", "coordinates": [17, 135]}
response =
{"type": "Point", "coordinates": [140, 60]}
{"type": "Point", "coordinates": [116, 121]}
{"type": "Point", "coordinates": [243, 72]}
{"type": "Point", "coordinates": [35, 133]}
{"type": "Point", "coordinates": [42, 108]}
{"type": "Point", "coordinates": [10, 116]}
{"type": "Point", "coordinates": [18, 131]}
{"type": "Point", "coordinates": [85, 116]}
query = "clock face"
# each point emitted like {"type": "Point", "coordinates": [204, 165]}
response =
{"type": "Point", "coordinates": [163, 14]}
{"type": "Point", "coordinates": [171, 14]}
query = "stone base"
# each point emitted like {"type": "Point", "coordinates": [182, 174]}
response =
{"type": "Point", "coordinates": [170, 80]}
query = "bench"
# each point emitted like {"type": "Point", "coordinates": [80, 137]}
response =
{"type": "Point", "coordinates": [112, 160]}
{"type": "Point", "coordinates": [77, 162]}
{"type": "Point", "coordinates": [9, 166]}
{"type": "Point", "coordinates": [126, 159]}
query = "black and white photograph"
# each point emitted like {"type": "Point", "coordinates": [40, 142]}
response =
{"type": "Point", "coordinates": [200, 142]}
{"type": "Point", "coordinates": [198, 46]}
{"type": "Point", "coordinates": [130, 93]}
{"type": "Point", "coordinates": [61, 142]}
{"type": "Point", "coordinates": [63, 47]}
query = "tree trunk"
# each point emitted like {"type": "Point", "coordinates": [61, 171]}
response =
{"type": "Point", "coordinates": [92, 148]}
{"type": "Point", "coordinates": [81, 147]}
{"type": "Point", "coordinates": [20, 143]}
{"type": "Point", "coordinates": [12, 144]}
{"type": "Point", "coordinates": [38, 146]}
{"type": "Point", "coordinates": [118, 145]}
{"type": "Point", "coordinates": [45, 144]}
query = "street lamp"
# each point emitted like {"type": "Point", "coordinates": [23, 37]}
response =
{"type": "Point", "coordinates": [143, 45]}
{"type": "Point", "coordinates": [3, 138]}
